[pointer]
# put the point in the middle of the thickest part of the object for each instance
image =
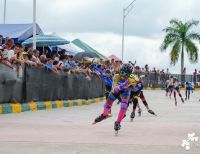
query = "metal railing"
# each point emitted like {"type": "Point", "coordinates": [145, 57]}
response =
{"type": "Point", "coordinates": [159, 81]}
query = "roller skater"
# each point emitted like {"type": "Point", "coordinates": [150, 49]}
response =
{"type": "Point", "coordinates": [135, 94]}
{"type": "Point", "coordinates": [170, 86]}
{"type": "Point", "coordinates": [176, 89]}
{"type": "Point", "coordinates": [122, 86]}
{"type": "Point", "coordinates": [188, 87]}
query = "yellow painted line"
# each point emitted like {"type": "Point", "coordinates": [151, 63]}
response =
{"type": "Point", "coordinates": [148, 88]}
{"type": "Point", "coordinates": [59, 104]}
{"type": "Point", "coordinates": [197, 88]}
{"type": "Point", "coordinates": [71, 103]}
{"type": "Point", "coordinates": [80, 102]}
{"type": "Point", "coordinates": [48, 105]}
{"type": "Point", "coordinates": [182, 88]}
{"type": "Point", "coordinates": [96, 100]}
{"type": "Point", "coordinates": [33, 106]}
{"type": "Point", "coordinates": [88, 102]}
{"type": "Point", "coordinates": [1, 109]}
{"type": "Point", "coordinates": [16, 108]}
{"type": "Point", "coordinates": [158, 88]}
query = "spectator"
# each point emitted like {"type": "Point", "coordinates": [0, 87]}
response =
{"type": "Point", "coordinates": [146, 68]}
{"type": "Point", "coordinates": [36, 57]}
{"type": "Point", "coordinates": [9, 44]}
{"type": "Point", "coordinates": [12, 54]}
{"type": "Point", "coordinates": [49, 65]}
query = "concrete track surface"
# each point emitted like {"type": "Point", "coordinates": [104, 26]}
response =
{"type": "Point", "coordinates": [70, 130]}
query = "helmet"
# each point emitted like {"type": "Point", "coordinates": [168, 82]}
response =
{"type": "Point", "coordinates": [126, 70]}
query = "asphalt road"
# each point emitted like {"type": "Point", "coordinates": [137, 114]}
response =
{"type": "Point", "coordinates": [70, 130]}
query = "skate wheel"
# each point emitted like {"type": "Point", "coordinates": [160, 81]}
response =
{"type": "Point", "coordinates": [93, 123]}
{"type": "Point", "coordinates": [110, 115]}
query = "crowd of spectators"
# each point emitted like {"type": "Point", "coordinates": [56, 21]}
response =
{"type": "Point", "coordinates": [15, 55]}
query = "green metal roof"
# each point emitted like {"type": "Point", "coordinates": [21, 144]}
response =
{"type": "Point", "coordinates": [87, 48]}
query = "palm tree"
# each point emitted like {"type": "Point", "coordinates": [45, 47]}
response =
{"type": "Point", "coordinates": [180, 37]}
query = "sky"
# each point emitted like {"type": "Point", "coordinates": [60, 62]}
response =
{"type": "Point", "coordinates": [99, 24]}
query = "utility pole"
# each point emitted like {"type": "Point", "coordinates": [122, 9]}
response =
{"type": "Point", "coordinates": [126, 11]}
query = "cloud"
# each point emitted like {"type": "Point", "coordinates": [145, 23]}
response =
{"type": "Point", "coordinates": [99, 23]}
{"type": "Point", "coordinates": [143, 50]}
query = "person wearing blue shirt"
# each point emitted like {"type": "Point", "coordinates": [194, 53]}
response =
{"type": "Point", "coordinates": [136, 93]}
{"type": "Point", "coordinates": [188, 88]}
{"type": "Point", "coordinates": [108, 79]}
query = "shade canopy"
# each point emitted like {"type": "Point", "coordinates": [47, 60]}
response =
{"type": "Point", "coordinates": [82, 55]}
{"type": "Point", "coordinates": [46, 40]}
{"type": "Point", "coordinates": [71, 48]}
{"type": "Point", "coordinates": [87, 48]}
{"type": "Point", "coordinates": [19, 32]}
{"type": "Point", "coordinates": [114, 57]}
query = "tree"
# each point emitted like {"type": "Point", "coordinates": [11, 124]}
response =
{"type": "Point", "coordinates": [180, 37]}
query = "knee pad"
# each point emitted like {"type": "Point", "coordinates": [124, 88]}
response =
{"type": "Point", "coordinates": [107, 106]}
{"type": "Point", "coordinates": [124, 105]}
{"type": "Point", "coordinates": [111, 97]}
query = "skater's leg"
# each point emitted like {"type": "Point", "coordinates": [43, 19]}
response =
{"type": "Point", "coordinates": [139, 109]}
{"type": "Point", "coordinates": [144, 100]}
{"type": "Point", "coordinates": [123, 109]}
{"type": "Point", "coordinates": [145, 103]}
{"type": "Point", "coordinates": [107, 108]}
{"type": "Point", "coordinates": [167, 91]}
{"type": "Point", "coordinates": [171, 91]}
{"type": "Point", "coordinates": [108, 104]}
{"type": "Point", "coordinates": [175, 97]}
{"type": "Point", "coordinates": [135, 103]}
{"type": "Point", "coordinates": [188, 94]}
{"type": "Point", "coordinates": [179, 93]}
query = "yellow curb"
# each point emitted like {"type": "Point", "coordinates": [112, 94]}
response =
{"type": "Point", "coordinates": [59, 104]}
{"type": "Point", "coordinates": [33, 106]}
{"type": "Point", "coordinates": [71, 103]}
{"type": "Point", "coordinates": [0, 109]}
{"type": "Point", "coordinates": [80, 102]}
{"type": "Point", "coordinates": [88, 102]}
{"type": "Point", "coordinates": [16, 108]}
{"type": "Point", "coordinates": [96, 100]}
{"type": "Point", "coordinates": [48, 105]}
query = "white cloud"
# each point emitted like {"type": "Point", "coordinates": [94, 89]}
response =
{"type": "Point", "coordinates": [99, 23]}
{"type": "Point", "coordinates": [143, 50]}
